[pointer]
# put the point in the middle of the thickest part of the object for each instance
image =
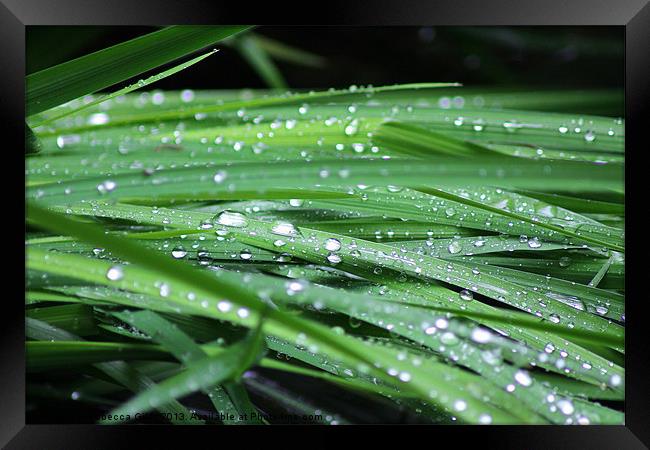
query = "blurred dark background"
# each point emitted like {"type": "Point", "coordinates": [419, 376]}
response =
{"type": "Point", "coordinates": [535, 57]}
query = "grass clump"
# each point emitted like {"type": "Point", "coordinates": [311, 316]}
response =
{"type": "Point", "coordinates": [203, 253]}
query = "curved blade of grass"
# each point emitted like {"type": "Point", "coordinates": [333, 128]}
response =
{"type": "Point", "coordinates": [183, 348]}
{"type": "Point", "coordinates": [595, 234]}
{"type": "Point", "coordinates": [576, 268]}
{"type": "Point", "coordinates": [573, 134]}
{"type": "Point", "coordinates": [34, 296]}
{"type": "Point", "coordinates": [581, 297]}
{"type": "Point", "coordinates": [477, 245]}
{"type": "Point", "coordinates": [119, 371]}
{"type": "Point", "coordinates": [281, 51]}
{"type": "Point", "coordinates": [423, 381]}
{"type": "Point", "coordinates": [199, 182]}
{"type": "Point", "coordinates": [580, 205]}
{"type": "Point", "coordinates": [263, 102]}
{"type": "Point", "coordinates": [139, 85]}
{"type": "Point", "coordinates": [90, 73]}
{"type": "Point", "coordinates": [32, 143]}
{"type": "Point", "coordinates": [200, 375]}
{"type": "Point", "coordinates": [368, 253]}
{"type": "Point", "coordinates": [602, 272]}
{"type": "Point", "coordinates": [416, 141]}
{"type": "Point", "coordinates": [306, 244]}
{"type": "Point", "coordinates": [399, 318]}
{"type": "Point", "coordinates": [188, 352]}
{"type": "Point", "coordinates": [73, 318]}
{"type": "Point", "coordinates": [437, 298]}
{"type": "Point", "coordinates": [599, 301]}
{"type": "Point", "coordinates": [257, 57]}
{"type": "Point", "coordinates": [444, 207]}
{"type": "Point", "coordinates": [43, 356]}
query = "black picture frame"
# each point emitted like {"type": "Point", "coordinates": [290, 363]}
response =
{"type": "Point", "coordinates": [633, 15]}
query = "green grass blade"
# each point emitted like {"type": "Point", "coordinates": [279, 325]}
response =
{"type": "Point", "coordinates": [119, 371]}
{"type": "Point", "coordinates": [258, 58]}
{"type": "Point", "coordinates": [188, 352]}
{"type": "Point", "coordinates": [139, 85]}
{"type": "Point", "coordinates": [88, 74]}
{"type": "Point", "coordinates": [602, 271]}
{"type": "Point", "coordinates": [281, 51]}
{"type": "Point", "coordinates": [203, 374]}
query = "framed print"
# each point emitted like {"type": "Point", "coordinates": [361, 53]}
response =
{"type": "Point", "coordinates": [404, 213]}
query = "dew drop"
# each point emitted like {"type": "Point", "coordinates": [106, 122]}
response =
{"type": "Point", "coordinates": [206, 224]}
{"type": "Point", "coordinates": [454, 247]}
{"type": "Point", "coordinates": [352, 128]}
{"type": "Point", "coordinates": [449, 338]}
{"type": "Point", "coordinates": [164, 290]}
{"type": "Point", "coordinates": [187, 95]}
{"type": "Point", "coordinates": [485, 419]}
{"type": "Point", "coordinates": [98, 119]}
{"type": "Point", "coordinates": [481, 335]}
{"type": "Point", "coordinates": [220, 176]}
{"type": "Point", "coordinates": [570, 300]}
{"type": "Point", "coordinates": [283, 257]}
{"type": "Point", "coordinates": [523, 377]}
{"type": "Point", "coordinates": [158, 98]}
{"type": "Point", "coordinates": [294, 287]}
{"type": "Point", "coordinates": [565, 406]}
{"type": "Point", "coordinates": [106, 186]}
{"type": "Point", "coordinates": [66, 140]}
{"type": "Point", "coordinates": [179, 252]}
{"type": "Point", "coordinates": [114, 273]}
{"type": "Point", "coordinates": [284, 229]}
{"type": "Point", "coordinates": [405, 377]}
{"type": "Point", "coordinates": [534, 243]}
{"type": "Point", "coordinates": [231, 219]}
{"type": "Point", "coordinates": [332, 245]}
{"type": "Point", "coordinates": [478, 125]}
{"type": "Point", "coordinates": [334, 258]}
{"type": "Point", "coordinates": [224, 306]}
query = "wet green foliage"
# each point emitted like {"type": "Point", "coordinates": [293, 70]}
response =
{"type": "Point", "coordinates": [415, 244]}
